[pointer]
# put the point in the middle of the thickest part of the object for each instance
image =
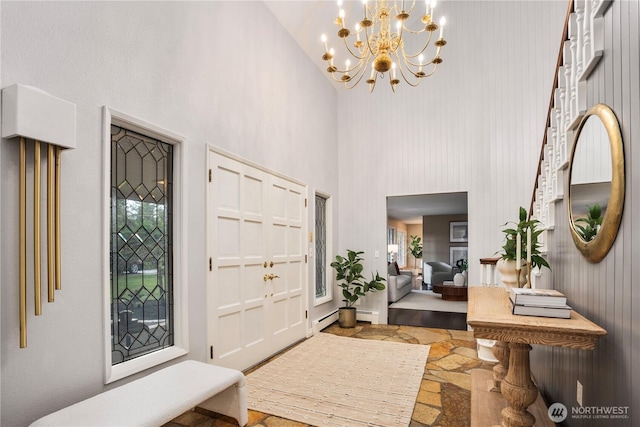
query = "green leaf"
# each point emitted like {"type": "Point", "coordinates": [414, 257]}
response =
{"type": "Point", "coordinates": [523, 214]}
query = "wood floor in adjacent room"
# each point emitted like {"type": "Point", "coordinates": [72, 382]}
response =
{"type": "Point", "coordinates": [444, 398]}
{"type": "Point", "coordinates": [427, 318]}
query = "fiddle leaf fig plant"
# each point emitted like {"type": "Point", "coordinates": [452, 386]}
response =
{"type": "Point", "coordinates": [588, 227]}
{"type": "Point", "coordinates": [415, 249]}
{"type": "Point", "coordinates": [509, 247]}
{"type": "Point", "coordinates": [350, 279]}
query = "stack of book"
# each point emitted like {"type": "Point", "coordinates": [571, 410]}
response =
{"type": "Point", "coordinates": [539, 302]}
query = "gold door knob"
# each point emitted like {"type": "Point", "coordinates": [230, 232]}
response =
{"type": "Point", "coordinates": [273, 276]}
{"type": "Point", "coordinates": [271, 264]}
{"type": "Point", "coordinates": [264, 264]}
{"type": "Point", "coordinates": [266, 277]}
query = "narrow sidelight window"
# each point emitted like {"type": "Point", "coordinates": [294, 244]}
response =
{"type": "Point", "coordinates": [141, 245]}
{"type": "Point", "coordinates": [321, 246]}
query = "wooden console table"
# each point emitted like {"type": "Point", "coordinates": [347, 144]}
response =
{"type": "Point", "coordinates": [489, 314]}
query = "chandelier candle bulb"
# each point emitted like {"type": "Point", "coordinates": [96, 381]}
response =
{"type": "Point", "coordinates": [443, 21]}
{"type": "Point", "coordinates": [324, 40]}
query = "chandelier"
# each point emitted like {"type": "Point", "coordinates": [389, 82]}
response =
{"type": "Point", "coordinates": [376, 42]}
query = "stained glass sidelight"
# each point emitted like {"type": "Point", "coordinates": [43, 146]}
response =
{"type": "Point", "coordinates": [141, 245]}
{"type": "Point", "coordinates": [321, 246]}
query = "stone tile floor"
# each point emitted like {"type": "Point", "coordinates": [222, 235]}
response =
{"type": "Point", "coordinates": [444, 398]}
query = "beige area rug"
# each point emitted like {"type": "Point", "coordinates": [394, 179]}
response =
{"type": "Point", "coordinates": [428, 300]}
{"type": "Point", "coordinates": [329, 380]}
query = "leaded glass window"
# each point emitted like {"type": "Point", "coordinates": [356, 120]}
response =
{"type": "Point", "coordinates": [141, 245]}
{"type": "Point", "coordinates": [321, 246]}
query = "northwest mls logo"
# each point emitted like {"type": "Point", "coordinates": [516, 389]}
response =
{"type": "Point", "coordinates": [557, 412]}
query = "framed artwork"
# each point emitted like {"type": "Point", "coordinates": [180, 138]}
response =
{"type": "Point", "coordinates": [458, 232]}
{"type": "Point", "coordinates": [456, 253]}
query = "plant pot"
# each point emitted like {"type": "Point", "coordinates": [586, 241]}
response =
{"type": "Point", "coordinates": [507, 269]}
{"type": "Point", "coordinates": [347, 317]}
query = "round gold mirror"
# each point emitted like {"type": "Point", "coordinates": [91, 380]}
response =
{"type": "Point", "coordinates": [596, 183]}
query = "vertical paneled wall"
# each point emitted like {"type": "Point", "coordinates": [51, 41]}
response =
{"type": "Point", "coordinates": [476, 126]}
{"type": "Point", "coordinates": [607, 292]}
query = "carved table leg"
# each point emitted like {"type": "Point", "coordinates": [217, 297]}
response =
{"type": "Point", "coordinates": [518, 389]}
{"type": "Point", "coordinates": [501, 352]}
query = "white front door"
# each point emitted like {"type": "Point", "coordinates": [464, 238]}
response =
{"type": "Point", "coordinates": [256, 285]}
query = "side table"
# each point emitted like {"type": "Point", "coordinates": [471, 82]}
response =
{"type": "Point", "coordinates": [417, 284]}
{"type": "Point", "coordinates": [489, 314]}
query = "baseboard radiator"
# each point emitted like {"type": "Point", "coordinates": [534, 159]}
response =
{"type": "Point", "coordinates": [325, 321]}
{"type": "Point", "coordinates": [368, 316]}
{"type": "Point", "coordinates": [331, 317]}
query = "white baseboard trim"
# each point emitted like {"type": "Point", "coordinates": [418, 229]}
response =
{"type": "Point", "coordinates": [326, 320]}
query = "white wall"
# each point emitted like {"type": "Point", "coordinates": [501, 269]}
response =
{"type": "Point", "coordinates": [475, 126]}
{"type": "Point", "coordinates": [190, 67]}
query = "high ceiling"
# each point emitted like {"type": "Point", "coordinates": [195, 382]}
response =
{"type": "Point", "coordinates": [306, 20]}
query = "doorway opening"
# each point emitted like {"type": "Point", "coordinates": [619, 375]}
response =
{"type": "Point", "coordinates": [440, 222]}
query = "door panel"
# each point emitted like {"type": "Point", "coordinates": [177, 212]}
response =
{"type": "Point", "coordinates": [256, 224]}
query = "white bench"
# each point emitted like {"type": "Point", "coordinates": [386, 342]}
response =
{"type": "Point", "coordinates": [160, 397]}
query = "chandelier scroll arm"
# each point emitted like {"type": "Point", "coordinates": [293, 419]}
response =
{"type": "Point", "coordinates": [358, 56]}
{"type": "Point", "coordinates": [404, 77]}
{"type": "Point", "coordinates": [435, 66]}
{"type": "Point", "coordinates": [407, 57]}
{"type": "Point", "coordinates": [359, 74]}
{"type": "Point", "coordinates": [369, 48]}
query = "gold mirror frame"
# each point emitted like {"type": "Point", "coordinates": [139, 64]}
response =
{"type": "Point", "coordinates": [596, 249]}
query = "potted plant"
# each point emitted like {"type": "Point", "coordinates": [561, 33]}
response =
{"type": "Point", "coordinates": [353, 284]}
{"type": "Point", "coordinates": [460, 279]}
{"type": "Point", "coordinates": [507, 265]}
{"type": "Point", "coordinates": [415, 249]}
{"type": "Point", "coordinates": [588, 227]}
